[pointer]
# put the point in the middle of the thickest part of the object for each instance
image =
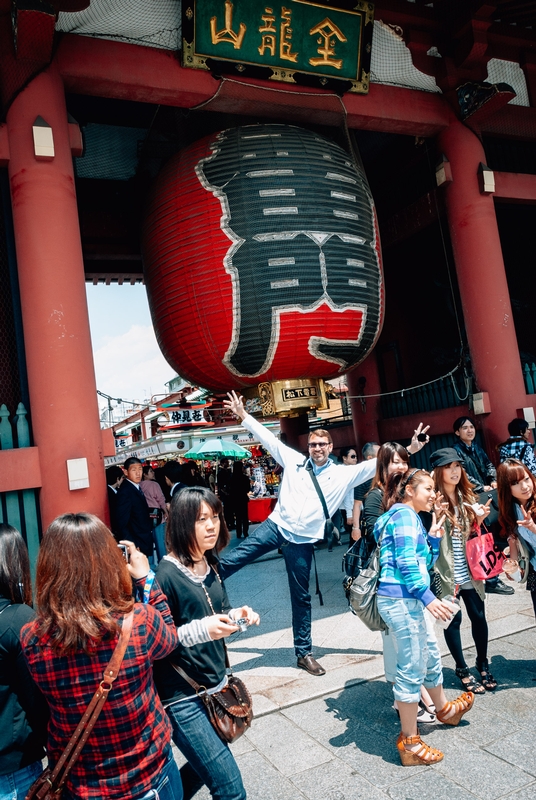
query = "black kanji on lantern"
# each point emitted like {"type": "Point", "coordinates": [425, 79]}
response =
{"type": "Point", "coordinates": [300, 217]}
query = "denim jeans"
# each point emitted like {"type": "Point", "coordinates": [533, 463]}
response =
{"type": "Point", "coordinates": [210, 761]}
{"type": "Point", "coordinates": [418, 661]}
{"type": "Point", "coordinates": [169, 784]}
{"type": "Point", "coordinates": [15, 785]}
{"type": "Point", "coordinates": [390, 648]}
{"type": "Point", "coordinates": [159, 539]}
{"type": "Point", "coordinates": [298, 558]}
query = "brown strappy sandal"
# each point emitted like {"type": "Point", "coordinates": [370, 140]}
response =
{"type": "Point", "coordinates": [461, 705]}
{"type": "Point", "coordinates": [424, 755]}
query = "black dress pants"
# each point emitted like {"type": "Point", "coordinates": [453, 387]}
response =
{"type": "Point", "coordinates": [479, 629]}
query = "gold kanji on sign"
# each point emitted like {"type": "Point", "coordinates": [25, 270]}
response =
{"type": "Point", "coordinates": [227, 34]}
{"type": "Point", "coordinates": [268, 30]}
{"type": "Point", "coordinates": [285, 42]}
{"type": "Point", "coordinates": [328, 33]}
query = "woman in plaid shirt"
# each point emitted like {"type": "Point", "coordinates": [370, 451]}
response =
{"type": "Point", "coordinates": [406, 557]}
{"type": "Point", "coordinates": [83, 591]}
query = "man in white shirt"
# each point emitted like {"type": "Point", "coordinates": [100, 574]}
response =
{"type": "Point", "coordinates": [298, 520]}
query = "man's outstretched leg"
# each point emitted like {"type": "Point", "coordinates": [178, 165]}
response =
{"type": "Point", "coordinates": [263, 540]}
{"type": "Point", "coordinates": [298, 558]}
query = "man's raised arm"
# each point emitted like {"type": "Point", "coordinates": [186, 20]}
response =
{"type": "Point", "coordinates": [281, 452]}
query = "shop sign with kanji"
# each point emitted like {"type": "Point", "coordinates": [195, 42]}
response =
{"type": "Point", "coordinates": [297, 41]}
{"type": "Point", "coordinates": [190, 417]}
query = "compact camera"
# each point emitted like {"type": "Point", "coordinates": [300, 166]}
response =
{"type": "Point", "coordinates": [242, 625]}
{"type": "Point", "coordinates": [124, 550]}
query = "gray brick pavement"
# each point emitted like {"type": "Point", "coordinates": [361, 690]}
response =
{"type": "Point", "coordinates": [333, 738]}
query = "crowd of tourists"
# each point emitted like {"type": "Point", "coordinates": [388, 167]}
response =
{"type": "Point", "coordinates": [121, 649]}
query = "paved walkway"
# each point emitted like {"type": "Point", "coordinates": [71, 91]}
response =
{"type": "Point", "coordinates": [333, 737]}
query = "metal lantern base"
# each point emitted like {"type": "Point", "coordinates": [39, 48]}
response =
{"type": "Point", "coordinates": [292, 397]}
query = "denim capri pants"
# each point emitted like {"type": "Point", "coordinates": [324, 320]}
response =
{"type": "Point", "coordinates": [418, 661]}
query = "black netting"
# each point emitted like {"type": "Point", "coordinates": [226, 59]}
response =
{"type": "Point", "coordinates": [152, 23]}
{"type": "Point", "coordinates": [110, 152]}
{"type": "Point", "coordinates": [500, 71]}
{"type": "Point", "coordinates": [391, 61]}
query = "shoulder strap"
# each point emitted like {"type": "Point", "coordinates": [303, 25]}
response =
{"type": "Point", "coordinates": [195, 686]}
{"type": "Point", "coordinates": [309, 469]}
{"type": "Point", "coordinates": [83, 731]}
{"type": "Point", "coordinates": [389, 514]}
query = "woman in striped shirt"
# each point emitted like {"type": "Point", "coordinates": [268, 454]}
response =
{"type": "Point", "coordinates": [464, 514]}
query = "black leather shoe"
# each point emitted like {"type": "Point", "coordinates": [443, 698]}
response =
{"type": "Point", "coordinates": [309, 664]}
{"type": "Point", "coordinates": [499, 588]}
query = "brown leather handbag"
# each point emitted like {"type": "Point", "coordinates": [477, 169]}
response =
{"type": "Point", "coordinates": [50, 784]}
{"type": "Point", "coordinates": [231, 710]}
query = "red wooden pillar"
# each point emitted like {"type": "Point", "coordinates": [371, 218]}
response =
{"type": "Point", "coordinates": [482, 280]}
{"type": "Point", "coordinates": [64, 410]}
{"type": "Point", "coordinates": [366, 413]}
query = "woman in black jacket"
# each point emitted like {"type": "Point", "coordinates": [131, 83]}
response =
{"type": "Point", "coordinates": [23, 710]}
{"type": "Point", "coordinates": [188, 575]}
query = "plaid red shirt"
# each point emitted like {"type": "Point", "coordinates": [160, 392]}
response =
{"type": "Point", "coordinates": [127, 747]}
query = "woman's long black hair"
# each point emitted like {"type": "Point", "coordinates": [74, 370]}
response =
{"type": "Point", "coordinates": [15, 582]}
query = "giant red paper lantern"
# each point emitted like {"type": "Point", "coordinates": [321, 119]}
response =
{"type": "Point", "coordinates": [262, 259]}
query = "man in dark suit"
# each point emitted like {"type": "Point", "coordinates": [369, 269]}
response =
{"type": "Point", "coordinates": [132, 512]}
{"type": "Point", "coordinates": [173, 472]}
{"type": "Point", "coordinates": [114, 479]}
{"type": "Point", "coordinates": [223, 482]}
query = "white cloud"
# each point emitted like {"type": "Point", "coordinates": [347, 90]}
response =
{"type": "Point", "coordinates": [131, 365]}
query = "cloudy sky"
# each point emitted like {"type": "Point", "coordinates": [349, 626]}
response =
{"type": "Point", "coordinates": [128, 362]}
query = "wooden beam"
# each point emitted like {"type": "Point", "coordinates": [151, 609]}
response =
{"type": "Point", "coordinates": [515, 122]}
{"type": "Point", "coordinates": [19, 469]}
{"type": "Point", "coordinates": [129, 72]}
{"type": "Point", "coordinates": [515, 186]}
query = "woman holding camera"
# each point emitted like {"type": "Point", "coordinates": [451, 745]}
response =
{"type": "Point", "coordinates": [196, 532]}
{"type": "Point", "coordinates": [463, 514]}
{"type": "Point", "coordinates": [406, 555]}
{"type": "Point", "coordinates": [516, 491]}
{"type": "Point", "coordinates": [84, 593]}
